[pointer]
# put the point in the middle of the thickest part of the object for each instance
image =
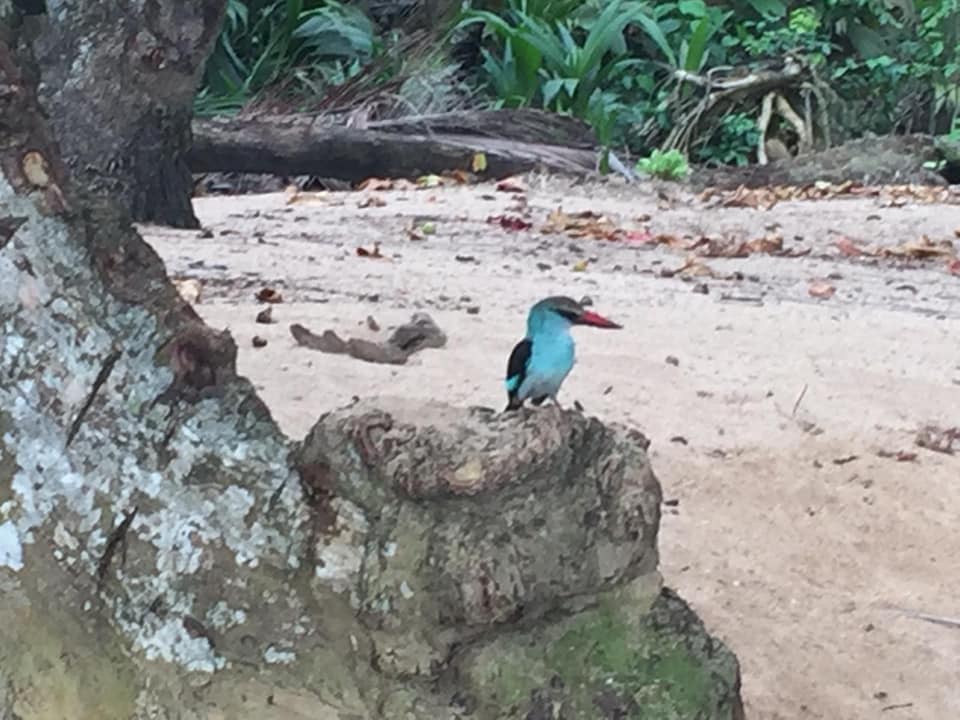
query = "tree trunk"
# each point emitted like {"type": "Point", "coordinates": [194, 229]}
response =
{"type": "Point", "coordinates": [165, 552]}
{"type": "Point", "coordinates": [512, 142]}
{"type": "Point", "coordinates": [119, 80]}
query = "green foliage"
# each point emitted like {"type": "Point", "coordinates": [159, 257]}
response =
{"type": "Point", "coordinates": [561, 63]}
{"type": "Point", "coordinates": [734, 143]}
{"type": "Point", "coordinates": [669, 165]}
{"type": "Point", "coordinates": [306, 44]}
{"type": "Point", "coordinates": [890, 66]}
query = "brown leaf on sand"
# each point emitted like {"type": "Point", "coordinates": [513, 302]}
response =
{"type": "Point", "coordinates": [373, 254]}
{"type": "Point", "coordinates": [269, 295]}
{"type": "Point", "coordinates": [899, 455]}
{"type": "Point", "coordinates": [672, 241]}
{"type": "Point", "coordinates": [642, 237]}
{"type": "Point", "coordinates": [708, 246]}
{"type": "Point", "coordinates": [510, 222]}
{"type": "Point", "coordinates": [922, 248]}
{"type": "Point", "coordinates": [460, 177]}
{"type": "Point", "coordinates": [848, 247]}
{"type": "Point", "coordinates": [371, 201]}
{"type": "Point", "coordinates": [822, 290]}
{"type": "Point", "coordinates": [381, 184]}
{"type": "Point", "coordinates": [582, 224]}
{"type": "Point", "coordinates": [694, 267]}
{"type": "Point", "coordinates": [511, 185]}
{"type": "Point", "coordinates": [757, 198]}
{"type": "Point", "coordinates": [938, 439]}
{"type": "Point", "coordinates": [770, 244]}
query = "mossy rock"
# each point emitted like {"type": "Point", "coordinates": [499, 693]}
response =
{"type": "Point", "coordinates": [623, 659]}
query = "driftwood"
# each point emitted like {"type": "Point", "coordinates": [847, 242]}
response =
{"type": "Point", "coordinates": [512, 141]}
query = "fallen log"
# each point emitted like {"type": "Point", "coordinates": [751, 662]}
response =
{"type": "Point", "coordinates": [300, 145]}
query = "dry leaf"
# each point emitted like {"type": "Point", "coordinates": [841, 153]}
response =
{"type": "Point", "coordinates": [821, 290]}
{"type": "Point", "coordinates": [293, 194]}
{"type": "Point", "coordinates": [642, 237]}
{"type": "Point", "coordinates": [479, 162]}
{"type": "Point", "coordinates": [372, 201]}
{"type": "Point", "coordinates": [582, 224]}
{"type": "Point", "coordinates": [694, 267]}
{"type": "Point", "coordinates": [938, 439]}
{"type": "Point", "coordinates": [899, 455]}
{"type": "Point", "coordinates": [190, 289]}
{"type": "Point", "coordinates": [767, 197]}
{"type": "Point", "coordinates": [848, 247]}
{"type": "Point", "coordinates": [769, 244]}
{"type": "Point", "coordinates": [922, 248]}
{"type": "Point", "coordinates": [511, 185]}
{"type": "Point", "coordinates": [299, 196]}
{"type": "Point", "coordinates": [376, 184]}
{"type": "Point", "coordinates": [269, 295]}
{"type": "Point", "coordinates": [671, 241]}
{"type": "Point", "coordinates": [374, 254]}
{"type": "Point", "coordinates": [461, 177]}
{"type": "Point", "coordinates": [510, 222]}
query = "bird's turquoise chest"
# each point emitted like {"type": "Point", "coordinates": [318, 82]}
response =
{"type": "Point", "coordinates": [551, 358]}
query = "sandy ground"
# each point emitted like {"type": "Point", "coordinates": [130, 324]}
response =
{"type": "Point", "coordinates": [792, 537]}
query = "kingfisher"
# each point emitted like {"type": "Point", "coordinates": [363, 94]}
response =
{"type": "Point", "coordinates": [541, 361]}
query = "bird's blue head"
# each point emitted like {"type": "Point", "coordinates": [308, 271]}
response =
{"type": "Point", "coordinates": [559, 313]}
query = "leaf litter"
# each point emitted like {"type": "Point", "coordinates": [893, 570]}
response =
{"type": "Point", "coordinates": [765, 198]}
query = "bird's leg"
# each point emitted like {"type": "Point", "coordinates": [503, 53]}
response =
{"type": "Point", "coordinates": [556, 402]}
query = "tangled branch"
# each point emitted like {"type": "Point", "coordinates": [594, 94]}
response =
{"type": "Point", "coordinates": [701, 101]}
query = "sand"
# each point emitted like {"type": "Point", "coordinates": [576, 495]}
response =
{"type": "Point", "coordinates": [791, 536]}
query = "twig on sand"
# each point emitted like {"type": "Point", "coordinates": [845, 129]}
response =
{"type": "Point", "coordinates": [796, 405]}
{"type": "Point", "coordinates": [898, 706]}
{"type": "Point", "coordinates": [938, 619]}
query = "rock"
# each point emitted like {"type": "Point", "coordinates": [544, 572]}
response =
{"type": "Point", "coordinates": [889, 159]}
{"type": "Point", "coordinates": [421, 332]}
{"type": "Point", "coordinates": [638, 652]}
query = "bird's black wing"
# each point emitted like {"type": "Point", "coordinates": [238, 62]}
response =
{"type": "Point", "coordinates": [517, 371]}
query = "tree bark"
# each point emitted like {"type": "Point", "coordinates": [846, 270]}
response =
{"type": "Point", "coordinates": [512, 142]}
{"type": "Point", "coordinates": [118, 82]}
{"type": "Point", "coordinates": [165, 552]}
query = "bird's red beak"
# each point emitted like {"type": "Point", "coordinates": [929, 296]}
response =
{"type": "Point", "coordinates": [595, 320]}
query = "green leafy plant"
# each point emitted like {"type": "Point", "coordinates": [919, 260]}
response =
{"type": "Point", "coordinates": [734, 143]}
{"type": "Point", "coordinates": [666, 165]}
{"type": "Point", "coordinates": [311, 44]}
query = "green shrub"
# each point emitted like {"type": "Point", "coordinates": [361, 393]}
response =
{"type": "Point", "coordinates": [669, 165]}
{"type": "Point", "coordinates": [308, 45]}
